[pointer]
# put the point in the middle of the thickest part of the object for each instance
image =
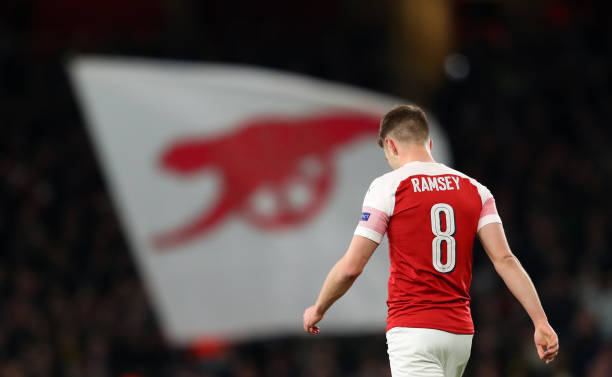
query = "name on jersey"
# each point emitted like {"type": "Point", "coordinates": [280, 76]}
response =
{"type": "Point", "coordinates": [441, 183]}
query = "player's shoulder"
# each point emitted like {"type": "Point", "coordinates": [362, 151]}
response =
{"type": "Point", "coordinates": [384, 179]}
{"type": "Point", "coordinates": [381, 184]}
{"type": "Point", "coordinates": [389, 180]}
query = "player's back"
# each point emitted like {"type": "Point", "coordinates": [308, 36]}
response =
{"type": "Point", "coordinates": [431, 214]}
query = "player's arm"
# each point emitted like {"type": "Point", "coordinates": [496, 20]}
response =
{"type": "Point", "coordinates": [339, 280]}
{"type": "Point", "coordinates": [516, 278]}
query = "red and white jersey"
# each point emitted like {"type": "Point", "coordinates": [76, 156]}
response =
{"type": "Point", "coordinates": [431, 214]}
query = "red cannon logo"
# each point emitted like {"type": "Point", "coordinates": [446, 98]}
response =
{"type": "Point", "coordinates": [287, 161]}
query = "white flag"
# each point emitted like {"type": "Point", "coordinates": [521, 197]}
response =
{"type": "Point", "coordinates": [238, 188]}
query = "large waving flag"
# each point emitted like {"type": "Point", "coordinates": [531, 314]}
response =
{"type": "Point", "coordinates": [238, 188]}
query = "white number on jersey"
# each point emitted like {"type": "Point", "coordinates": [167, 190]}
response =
{"type": "Point", "coordinates": [443, 236]}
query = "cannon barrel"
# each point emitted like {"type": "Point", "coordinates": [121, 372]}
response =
{"type": "Point", "coordinates": [188, 156]}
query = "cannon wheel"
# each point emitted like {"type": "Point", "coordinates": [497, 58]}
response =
{"type": "Point", "coordinates": [318, 183]}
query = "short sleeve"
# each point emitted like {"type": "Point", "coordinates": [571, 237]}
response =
{"type": "Point", "coordinates": [488, 213]}
{"type": "Point", "coordinates": [376, 212]}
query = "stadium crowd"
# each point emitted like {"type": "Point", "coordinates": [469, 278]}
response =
{"type": "Point", "coordinates": [531, 120]}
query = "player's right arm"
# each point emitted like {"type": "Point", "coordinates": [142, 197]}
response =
{"type": "Point", "coordinates": [517, 280]}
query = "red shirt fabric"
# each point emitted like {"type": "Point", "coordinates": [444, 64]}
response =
{"type": "Point", "coordinates": [431, 215]}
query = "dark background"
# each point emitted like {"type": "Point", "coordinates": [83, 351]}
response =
{"type": "Point", "coordinates": [531, 120]}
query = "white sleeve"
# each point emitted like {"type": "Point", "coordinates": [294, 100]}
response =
{"type": "Point", "coordinates": [377, 209]}
{"type": "Point", "coordinates": [488, 213]}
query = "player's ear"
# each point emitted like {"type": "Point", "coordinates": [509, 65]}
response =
{"type": "Point", "coordinates": [430, 144]}
{"type": "Point", "coordinates": [391, 146]}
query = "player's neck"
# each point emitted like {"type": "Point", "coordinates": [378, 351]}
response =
{"type": "Point", "coordinates": [416, 154]}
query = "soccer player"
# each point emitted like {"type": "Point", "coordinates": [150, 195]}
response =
{"type": "Point", "coordinates": [431, 215]}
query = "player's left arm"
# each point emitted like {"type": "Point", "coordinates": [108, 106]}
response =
{"type": "Point", "coordinates": [339, 280]}
{"type": "Point", "coordinates": [493, 239]}
{"type": "Point", "coordinates": [507, 265]}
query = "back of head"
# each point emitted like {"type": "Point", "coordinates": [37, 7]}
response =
{"type": "Point", "coordinates": [406, 124]}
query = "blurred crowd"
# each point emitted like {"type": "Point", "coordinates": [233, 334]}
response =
{"type": "Point", "coordinates": [530, 120]}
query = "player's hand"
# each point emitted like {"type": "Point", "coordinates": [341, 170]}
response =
{"type": "Point", "coordinates": [546, 341]}
{"type": "Point", "coordinates": [311, 317]}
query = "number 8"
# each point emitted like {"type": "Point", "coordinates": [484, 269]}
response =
{"type": "Point", "coordinates": [443, 236]}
